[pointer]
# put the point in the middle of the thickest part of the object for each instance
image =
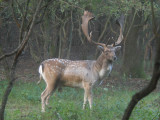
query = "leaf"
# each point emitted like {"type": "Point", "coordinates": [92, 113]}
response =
{"type": "Point", "coordinates": [106, 89]}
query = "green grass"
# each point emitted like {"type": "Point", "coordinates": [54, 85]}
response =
{"type": "Point", "coordinates": [108, 104]}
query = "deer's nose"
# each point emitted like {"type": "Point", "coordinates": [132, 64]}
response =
{"type": "Point", "coordinates": [115, 58]}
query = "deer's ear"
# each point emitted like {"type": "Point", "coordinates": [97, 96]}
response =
{"type": "Point", "coordinates": [117, 48]}
{"type": "Point", "coordinates": [100, 48]}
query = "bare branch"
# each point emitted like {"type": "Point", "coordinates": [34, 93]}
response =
{"type": "Point", "coordinates": [18, 51]}
{"type": "Point", "coordinates": [44, 8]}
{"type": "Point", "coordinates": [20, 8]}
{"type": "Point", "coordinates": [71, 5]}
{"type": "Point", "coordinates": [23, 21]}
{"type": "Point", "coordinates": [21, 32]}
{"type": "Point", "coordinates": [28, 34]}
{"type": "Point", "coordinates": [13, 13]}
{"type": "Point", "coordinates": [105, 27]}
{"type": "Point", "coordinates": [9, 54]}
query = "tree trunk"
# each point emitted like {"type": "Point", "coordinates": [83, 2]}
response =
{"type": "Point", "coordinates": [152, 85]}
{"type": "Point", "coordinates": [13, 67]}
{"type": "Point", "coordinates": [133, 50]}
{"type": "Point", "coordinates": [155, 77]}
{"type": "Point", "coordinates": [70, 40]}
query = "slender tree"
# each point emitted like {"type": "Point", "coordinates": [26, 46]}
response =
{"type": "Point", "coordinates": [17, 53]}
{"type": "Point", "coordinates": [155, 76]}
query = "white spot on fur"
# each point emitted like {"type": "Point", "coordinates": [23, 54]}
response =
{"type": "Point", "coordinates": [102, 73]}
{"type": "Point", "coordinates": [109, 69]}
{"type": "Point", "coordinates": [105, 72]}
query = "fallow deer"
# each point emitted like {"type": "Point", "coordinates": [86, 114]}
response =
{"type": "Point", "coordinates": [81, 73]}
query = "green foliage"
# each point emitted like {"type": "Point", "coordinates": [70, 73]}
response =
{"type": "Point", "coordinates": [99, 7]}
{"type": "Point", "coordinates": [109, 104]}
{"type": "Point", "coordinates": [103, 7]}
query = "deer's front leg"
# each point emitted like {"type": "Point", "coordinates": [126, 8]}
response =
{"type": "Point", "coordinates": [90, 98]}
{"type": "Point", "coordinates": [85, 99]}
{"type": "Point", "coordinates": [87, 94]}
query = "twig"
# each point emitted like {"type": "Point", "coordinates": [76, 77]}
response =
{"type": "Point", "coordinates": [13, 13]}
{"type": "Point", "coordinates": [45, 9]}
{"type": "Point", "coordinates": [105, 27]}
{"type": "Point", "coordinates": [72, 5]}
{"type": "Point", "coordinates": [9, 54]}
{"type": "Point", "coordinates": [125, 38]}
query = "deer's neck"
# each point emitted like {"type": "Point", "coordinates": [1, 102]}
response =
{"type": "Point", "coordinates": [103, 66]}
{"type": "Point", "coordinates": [99, 62]}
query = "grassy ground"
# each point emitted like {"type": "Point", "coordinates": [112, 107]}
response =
{"type": "Point", "coordinates": [109, 104]}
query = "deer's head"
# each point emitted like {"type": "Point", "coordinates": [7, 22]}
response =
{"type": "Point", "coordinates": [109, 52]}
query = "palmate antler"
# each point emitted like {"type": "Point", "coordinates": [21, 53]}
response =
{"type": "Point", "coordinates": [120, 22]}
{"type": "Point", "coordinates": [87, 17]}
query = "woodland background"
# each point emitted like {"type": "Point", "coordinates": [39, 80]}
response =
{"type": "Point", "coordinates": [35, 30]}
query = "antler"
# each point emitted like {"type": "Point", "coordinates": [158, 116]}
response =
{"type": "Point", "coordinates": [85, 19]}
{"type": "Point", "coordinates": [120, 22]}
{"type": "Point", "coordinates": [88, 16]}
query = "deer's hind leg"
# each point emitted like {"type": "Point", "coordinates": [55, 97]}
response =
{"type": "Point", "coordinates": [51, 87]}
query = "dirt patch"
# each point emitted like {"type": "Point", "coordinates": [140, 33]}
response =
{"type": "Point", "coordinates": [26, 70]}
{"type": "Point", "coordinates": [130, 83]}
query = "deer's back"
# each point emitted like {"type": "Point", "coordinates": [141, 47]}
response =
{"type": "Point", "coordinates": [69, 73]}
